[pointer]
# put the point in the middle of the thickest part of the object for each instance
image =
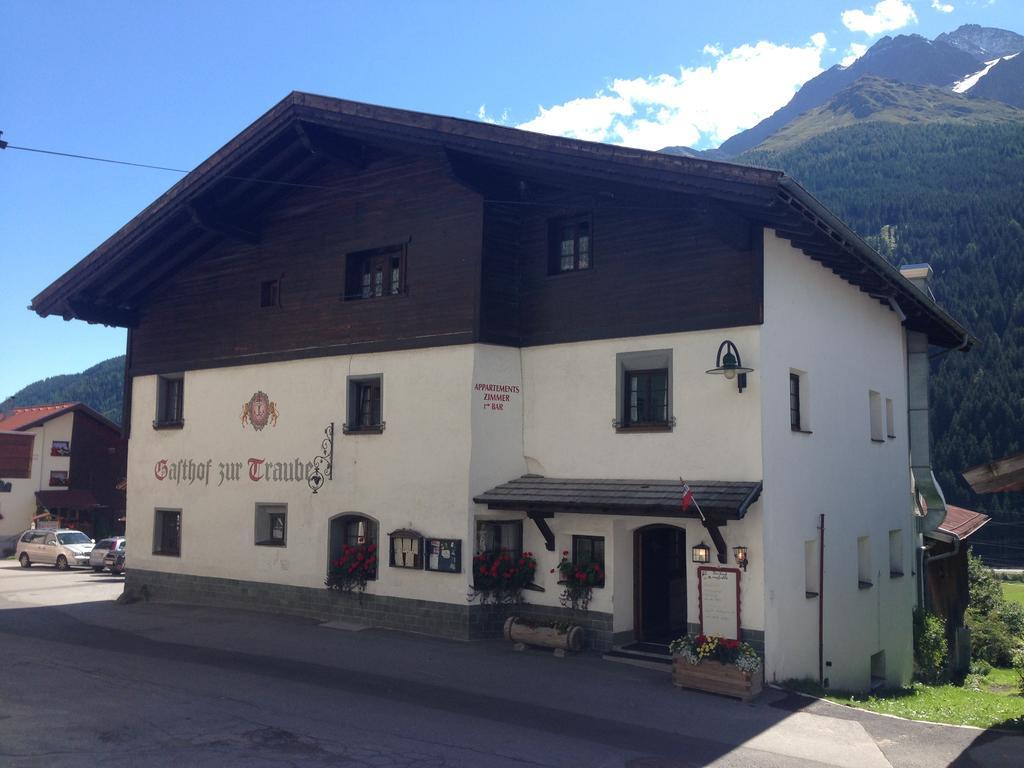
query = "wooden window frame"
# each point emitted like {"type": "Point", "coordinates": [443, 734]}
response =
{"type": "Point", "coordinates": [577, 559]}
{"type": "Point", "coordinates": [555, 228]}
{"type": "Point", "coordinates": [360, 264]}
{"type": "Point", "coordinates": [517, 526]}
{"type": "Point", "coordinates": [159, 545]}
{"type": "Point", "coordinates": [358, 386]}
{"type": "Point", "coordinates": [168, 388]}
{"type": "Point", "coordinates": [59, 478]}
{"type": "Point", "coordinates": [640, 423]}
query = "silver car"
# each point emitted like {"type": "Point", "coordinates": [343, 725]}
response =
{"type": "Point", "coordinates": [113, 544]}
{"type": "Point", "coordinates": [62, 548]}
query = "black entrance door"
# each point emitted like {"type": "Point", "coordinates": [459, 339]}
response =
{"type": "Point", "coordinates": [661, 583]}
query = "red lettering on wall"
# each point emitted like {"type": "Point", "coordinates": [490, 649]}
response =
{"type": "Point", "coordinates": [254, 468]}
{"type": "Point", "coordinates": [160, 469]}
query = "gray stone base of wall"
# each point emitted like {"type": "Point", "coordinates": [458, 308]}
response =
{"type": "Point", "coordinates": [459, 622]}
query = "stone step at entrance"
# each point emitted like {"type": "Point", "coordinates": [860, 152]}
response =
{"type": "Point", "coordinates": [652, 655]}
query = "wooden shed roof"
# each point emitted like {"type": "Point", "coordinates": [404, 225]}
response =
{"type": "Point", "coordinates": [304, 131]}
{"type": "Point", "coordinates": [660, 498]}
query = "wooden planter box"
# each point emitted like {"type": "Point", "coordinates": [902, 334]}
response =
{"type": "Point", "coordinates": [544, 637]}
{"type": "Point", "coordinates": [714, 677]}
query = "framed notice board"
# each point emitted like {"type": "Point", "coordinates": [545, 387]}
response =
{"type": "Point", "coordinates": [443, 555]}
{"type": "Point", "coordinates": [719, 592]}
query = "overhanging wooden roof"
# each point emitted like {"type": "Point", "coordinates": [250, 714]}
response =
{"type": "Point", "coordinates": [304, 131]}
{"type": "Point", "coordinates": [997, 476]}
{"type": "Point", "coordinates": [658, 498]}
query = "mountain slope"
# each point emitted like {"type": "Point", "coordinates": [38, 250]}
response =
{"type": "Point", "coordinates": [951, 194]}
{"type": "Point", "coordinates": [101, 387]}
{"type": "Point", "coordinates": [1004, 82]}
{"type": "Point", "coordinates": [906, 58]}
{"type": "Point", "coordinates": [872, 99]}
{"type": "Point", "coordinates": [983, 43]}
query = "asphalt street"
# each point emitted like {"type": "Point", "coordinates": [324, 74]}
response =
{"type": "Point", "coordinates": [85, 680]}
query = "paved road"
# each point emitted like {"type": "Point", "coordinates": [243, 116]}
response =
{"type": "Point", "coordinates": [84, 680]}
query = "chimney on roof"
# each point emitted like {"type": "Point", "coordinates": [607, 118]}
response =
{"type": "Point", "coordinates": [921, 276]}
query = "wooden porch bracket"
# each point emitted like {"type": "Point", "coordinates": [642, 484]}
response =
{"type": "Point", "coordinates": [716, 537]}
{"type": "Point", "coordinates": [539, 518]}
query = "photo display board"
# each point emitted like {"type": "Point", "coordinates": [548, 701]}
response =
{"type": "Point", "coordinates": [443, 555]}
{"type": "Point", "coordinates": [719, 593]}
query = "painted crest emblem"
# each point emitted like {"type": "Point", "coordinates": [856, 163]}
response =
{"type": "Point", "coordinates": [259, 411]}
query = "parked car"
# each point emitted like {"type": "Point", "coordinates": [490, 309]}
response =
{"type": "Point", "coordinates": [114, 560]}
{"type": "Point", "coordinates": [100, 551]}
{"type": "Point", "coordinates": [62, 548]}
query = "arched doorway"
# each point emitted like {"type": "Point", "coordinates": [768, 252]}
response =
{"type": "Point", "coordinates": [659, 583]}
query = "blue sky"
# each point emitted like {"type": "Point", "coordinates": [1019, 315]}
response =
{"type": "Point", "coordinates": [170, 83]}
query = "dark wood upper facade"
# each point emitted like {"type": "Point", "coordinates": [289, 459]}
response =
{"type": "Point", "coordinates": [246, 259]}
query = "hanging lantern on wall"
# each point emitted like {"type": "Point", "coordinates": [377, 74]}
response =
{"type": "Point", "coordinates": [701, 553]}
{"type": "Point", "coordinates": [728, 364]}
{"type": "Point", "coordinates": [740, 556]}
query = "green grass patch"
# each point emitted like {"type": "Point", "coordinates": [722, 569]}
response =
{"type": "Point", "coordinates": [1013, 592]}
{"type": "Point", "coordinates": [986, 702]}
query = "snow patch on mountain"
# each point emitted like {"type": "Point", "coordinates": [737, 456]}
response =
{"type": "Point", "coordinates": [962, 86]}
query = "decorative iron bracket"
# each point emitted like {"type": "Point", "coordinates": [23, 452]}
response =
{"type": "Point", "coordinates": [323, 465]}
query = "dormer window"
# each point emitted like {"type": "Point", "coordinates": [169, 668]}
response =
{"type": "Point", "coordinates": [570, 244]}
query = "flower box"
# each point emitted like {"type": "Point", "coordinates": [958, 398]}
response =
{"type": "Point", "coordinates": [715, 677]}
{"type": "Point", "coordinates": [562, 639]}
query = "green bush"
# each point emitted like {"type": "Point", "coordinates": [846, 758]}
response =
{"type": "Point", "coordinates": [991, 640]}
{"type": "Point", "coordinates": [980, 668]}
{"type": "Point", "coordinates": [985, 589]}
{"type": "Point", "coordinates": [1012, 615]}
{"type": "Point", "coordinates": [1018, 667]}
{"type": "Point", "coordinates": [931, 650]}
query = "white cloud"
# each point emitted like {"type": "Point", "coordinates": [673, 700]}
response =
{"type": "Point", "coordinates": [942, 7]}
{"type": "Point", "coordinates": [886, 16]}
{"type": "Point", "coordinates": [854, 52]}
{"type": "Point", "coordinates": [701, 106]}
{"type": "Point", "coordinates": [486, 117]}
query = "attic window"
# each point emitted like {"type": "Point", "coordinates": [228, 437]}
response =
{"type": "Point", "coordinates": [375, 273]}
{"type": "Point", "coordinates": [570, 242]}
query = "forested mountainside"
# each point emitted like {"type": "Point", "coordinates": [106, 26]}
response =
{"type": "Point", "coordinates": [101, 387]}
{"type": "Point", "coordinates": [952, 195]}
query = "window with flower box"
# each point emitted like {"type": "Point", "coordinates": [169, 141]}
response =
{"type": "Point", "coordinates": [60, 448]}
{"type": "Point", "coordinates": [589, 550]}
{"type": "Point", "coordinates": [58, 478]}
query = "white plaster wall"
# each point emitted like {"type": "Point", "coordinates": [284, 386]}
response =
{"type": "Point", "coordinates": [414, 474]}
{"type": "Point", "coordinates": [848, 343]}
{"type": "Point", "coordinates": [19, 506]}
{"type": "Point", "coordinates": [570, 403]}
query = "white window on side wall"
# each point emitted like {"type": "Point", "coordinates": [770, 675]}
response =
{"type": "Point", "coordinates": [895, 553]}
{"type": "Point", "coordinates": [865, 577]}
{"type": "Point", "coordinates": [644, 391]}
{"type": "Point", "coordinates": [875, 403]}
{"type": "Point", "coordinates": [799, 402]}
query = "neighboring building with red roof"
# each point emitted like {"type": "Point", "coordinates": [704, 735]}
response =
{"type": "Point", "coordinates": [948, 592]}
{"type": "Point", "coordinates": [61, 463]}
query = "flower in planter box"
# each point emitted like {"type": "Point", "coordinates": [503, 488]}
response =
{"type": "Point", "coordinates": [351, 571]}
{"type": "Point", "coordinates": [694, 650]}
{"type": "Point", "coordinates": [500, 577]}
{"type": "Point", "coordinates": [578, 581]}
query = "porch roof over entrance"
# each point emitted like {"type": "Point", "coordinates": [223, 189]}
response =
{"type": "Point", "coordinates": [718, 499]}
{"type": "Point", "coordinates": [72, 499]}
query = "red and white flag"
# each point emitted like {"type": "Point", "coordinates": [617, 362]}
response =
{"type": "Point", "coordinates": [687, 497]}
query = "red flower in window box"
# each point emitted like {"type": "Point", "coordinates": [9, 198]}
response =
{"type": "Point", "coordinates": [500, 577]}
{"type": "Point", "coordinates": [351, 571]}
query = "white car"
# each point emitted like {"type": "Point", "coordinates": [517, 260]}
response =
{"type": "Point", "coordinates": [62, 548]}
{"type": "Point", "coordinates": [113, 544]}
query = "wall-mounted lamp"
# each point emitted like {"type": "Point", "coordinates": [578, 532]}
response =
{"type": "Point", "coordinates": [740, 555]}
{"type": "Point", "coordinates": [701, 553]}
{"type": "Point", "coordinates": [728, 364]}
